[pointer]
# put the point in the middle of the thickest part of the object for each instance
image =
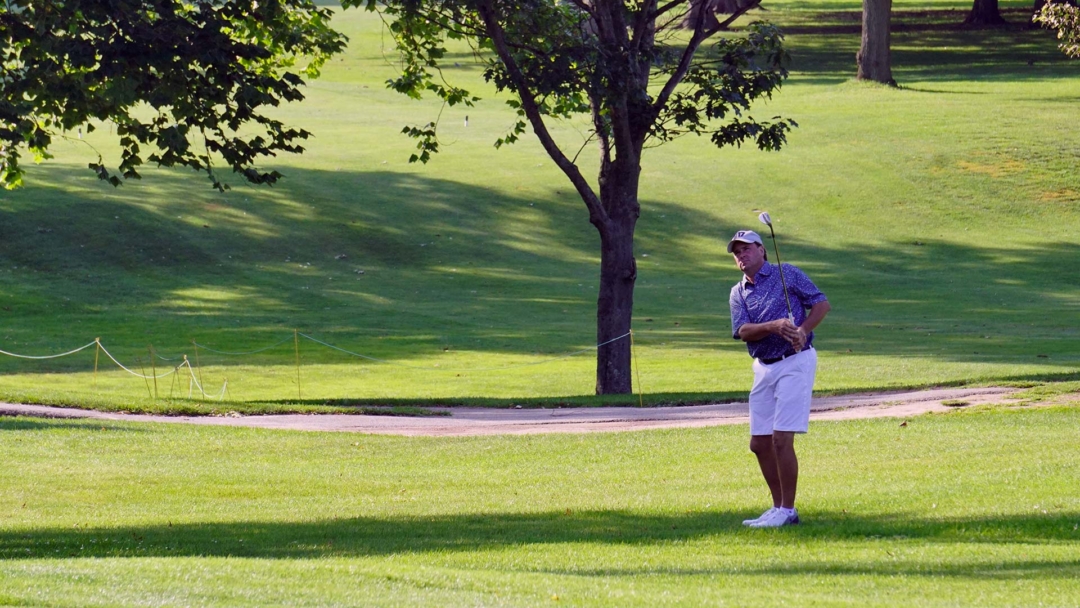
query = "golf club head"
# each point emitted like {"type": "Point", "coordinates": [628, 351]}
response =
{"type": "Point", "coordinates": [765, 219]}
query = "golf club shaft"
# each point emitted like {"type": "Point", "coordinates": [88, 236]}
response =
{"type": "Point", "coordinates": [787, 300]}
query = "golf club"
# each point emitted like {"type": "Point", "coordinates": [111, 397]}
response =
{"type": "Point", "coordinates": [765, 219]}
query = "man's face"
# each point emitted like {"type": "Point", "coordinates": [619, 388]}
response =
{"type": "Point", "coordinates": [749, 257]}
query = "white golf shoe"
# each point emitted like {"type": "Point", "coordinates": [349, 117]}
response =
{"type": "Point", "coordinates": [750, 522]}
{"type": "Point", "coordinates": [778, 518]}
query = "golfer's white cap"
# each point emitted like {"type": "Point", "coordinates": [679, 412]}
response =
{"type": "Point", "coordinates": [744, 236]}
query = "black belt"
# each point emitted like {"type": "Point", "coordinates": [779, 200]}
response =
{"type": "Point", "coordinates": [782, 357]}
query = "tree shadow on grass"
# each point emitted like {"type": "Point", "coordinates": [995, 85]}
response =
{"type": "Point", "coordinates": [19, 422]}
{"type": "Point", "coordinates": [452, 266]}
{"type": "Point", "coordinates": [408, 263]}
{"type": "Point", "coordinates": [929, 46]}
{"type": "Point", "coordinates": [375, 536]}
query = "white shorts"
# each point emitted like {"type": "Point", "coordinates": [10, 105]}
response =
{"type": "Point", "coordinates": [780, 398]}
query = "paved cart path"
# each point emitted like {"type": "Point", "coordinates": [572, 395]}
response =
{"type": "Point", "coordinates": [491, 421]}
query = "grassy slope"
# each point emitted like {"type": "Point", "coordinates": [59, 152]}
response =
{"type": "Point", "coordinates": [937, 513]}
{"type": "Point", "coordinates": [939, 218]}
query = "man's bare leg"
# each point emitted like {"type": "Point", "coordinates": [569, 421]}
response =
{"type": "Point", "coordinates": [787, 466]}
{"type": "Point", "coordinates": [762, 447]}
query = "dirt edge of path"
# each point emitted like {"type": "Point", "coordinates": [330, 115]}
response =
{"type": "Point", "coordinates": [489, 421]}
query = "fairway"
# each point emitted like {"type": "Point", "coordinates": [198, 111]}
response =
{"type": "Point", "coordinates": [960, 509]}
{"type": "Point", "coordinates": [945, 239]}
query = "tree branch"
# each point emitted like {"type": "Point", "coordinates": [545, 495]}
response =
{"type": "Point", "coordinates": [699, 36]}
{"type": "Point", "coordinates": [614, 46]}
{"type": "Point", "coordinates": [618, 20]}
{"type": "Point", "coordinates": [667, 7]}
{"type": "Point", "coordinates": [666, 25]}
{"type": "Point", "coordinates": [645, 18]}
{"type": "Point", "coordinates": [532, 112]}
{"type": "Point", "coordinates": [726, 22]}
{"type": "Point", "coordinates": [684, 64]}
{"type": "Point", "coordinates": [582, 148]}
{"type": "Point", "coordinates": [601, 133]}
{"type": "Point", "coordinates": [584, 6]}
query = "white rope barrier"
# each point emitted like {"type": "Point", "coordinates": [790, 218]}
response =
{"type": "Point", "coordinates": [251, 352]}
{"type": "Point", "coordinates": [311, 338]}
{"type": "Point", "coordinates": [194, 382]}
{"type": "Point", "coordinates": [121, 366]}
{"type": "Point", "coordinates": [70, 352]}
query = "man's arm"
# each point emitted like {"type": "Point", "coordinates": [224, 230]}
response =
{"type": "Point", "coordinates": [752, 332]}
{"type": "Point", "coordinates": [817, 314]}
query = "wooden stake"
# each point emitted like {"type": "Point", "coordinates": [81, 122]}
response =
{"type": "Point", "coordinates": [192, 378]}
{"type": "Point", "coordinates": [296, 344]}
{"type": "Point", "coordinates": [97, 351]}
{"type": "Point", "coordinates": [637, 371]}
{"type": "Point", "coordinates": [142, 369]}
{"type": "Point", "coordinates": [153, 368]}
{"type": "Point", "coordinates": [198, 367]}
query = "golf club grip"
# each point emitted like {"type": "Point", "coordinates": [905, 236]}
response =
{"type": "Point", "coordinates": [791, 318]}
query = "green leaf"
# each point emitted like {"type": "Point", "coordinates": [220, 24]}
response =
{"type": "Point", "coordinates": [209, 70]}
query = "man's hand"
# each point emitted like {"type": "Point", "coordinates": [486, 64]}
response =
{"type": "Point", "coordinates": [800, 340]}
{"type": "Point", "coordinates": [787, 330]}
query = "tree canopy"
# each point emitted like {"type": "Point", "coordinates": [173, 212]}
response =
{"type": "Point", "coordinates": [205, 71]}
{"type": "Point", "coordinates": [561, 58]}
{"type": "Point", "coordinates": [639, 70]}
{"type": "Point", "coordinates": [1065, 18]}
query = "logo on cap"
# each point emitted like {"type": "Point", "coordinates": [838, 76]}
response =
{"type": "Point", "coordinates": [744, 236]}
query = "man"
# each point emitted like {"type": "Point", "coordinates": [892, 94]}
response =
{"type": "Point", "coordinates": [784, 365]}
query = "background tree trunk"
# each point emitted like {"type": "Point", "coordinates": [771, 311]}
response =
{"type": "Point", "coordinates": [984, 12]}
{"type": "Point", "coordinates": [1035, 8]}
{"type": "Point", "coordinates": [875, 56]}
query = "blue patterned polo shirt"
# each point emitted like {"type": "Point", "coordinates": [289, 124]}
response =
{"type": "Point", "coordinates": [763, 301]}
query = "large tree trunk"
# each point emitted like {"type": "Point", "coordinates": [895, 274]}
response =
{"type": "Point", "coordinates": [984, 12]}
{"type": "Point", "coordinates": [875, 58]}
{"type": "Point", "coordinates": [618, 274]}
{"type": "Point", "coordinates": [1035, 8]}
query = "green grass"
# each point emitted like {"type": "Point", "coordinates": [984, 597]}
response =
{"type": "Point", "coordinates": [973, 507]}
{"type": "Point", "coordinates": [939, 218]}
